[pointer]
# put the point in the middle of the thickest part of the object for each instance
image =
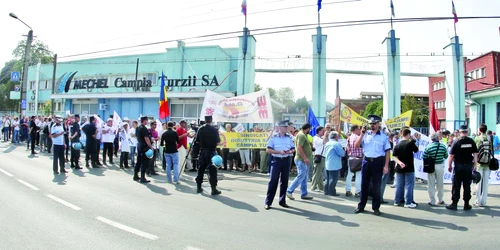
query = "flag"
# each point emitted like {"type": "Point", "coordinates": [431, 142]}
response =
{"type": "Point", "coordinates": [454, 12]}
{"type": "Point", "coordinates": [319, 5]}
{"type": "Point", "coordinates": [392, 10]}
{"type": "Point", "coordinates": [164, 110]}
{"type": "Point", "coordinates": [244, 7]}
{"type": "Point", "coordinates": [311, 119]}
{"type": "Point", "coordinates": [434, 121]}
{"type": "Point", "coordinates": [117, 121]}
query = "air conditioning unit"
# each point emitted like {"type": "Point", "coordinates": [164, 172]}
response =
{"type": "Point", "coordinates": [103, 106]}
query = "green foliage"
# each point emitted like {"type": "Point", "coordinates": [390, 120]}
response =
{"type": "Point", "coordinates": [420, 117]}
{"type": "Point", "coordinates": [257, 87]}
{"type": "Point", "coordinates": [374, 108]}
{"type": "Point", "coordinates": [47, 108]}
{"type": "Point", "coordinates": [302, 105]}
{"type": "Point", "coordinates": [39, 53]}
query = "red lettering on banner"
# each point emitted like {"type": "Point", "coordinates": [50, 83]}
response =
{"type": "Point", "coordinates": [261, 101]}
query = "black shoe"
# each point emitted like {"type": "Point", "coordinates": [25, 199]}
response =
{"type": "Point", "coordinates": [284, 205]}
{"type": "Point", "coordinates": [215, 191]}
{"type": "Point", "coordinates": [64, 171]}
{"type": "Point", "coordinates": [78, 167]}
{"type": "Point", "coordinates": [111, 162]}
{"type": "Point", "coordinates": [72, 166]}
{"type": "Point", "coordinates": [383, 202]}
{"type": "Point", "coordinates": [452, 207]}
{"type": "Point", "coordinates": [136, 178]}
{"type": "Point", "coordinates": [199, 189]}
{"type": "Point", "coordinates": [98, 164]}
{"type": "Point", "coordinates": [467, 207]}
{"type": "Point", "coordinates": [56, 172]}
{"type": "Point", "coordinates": [193, 170]}
{"type": "Point", "coordinates": [95, 166]}
{"type": "Point", "coordinates": [155, 173]}
{"type": "Point", "coordinates": [358, 210]}
{"type": "Point", "coordinates": [267, 207]}
{"type": "Point", "coordinates": [144, 181]}
{"type": "Point", "coordinates": [376, 212]}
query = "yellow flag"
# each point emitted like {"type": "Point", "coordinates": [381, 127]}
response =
{"type": "Point", "coordinates": [400, 121]}
{"type": "Point", "coordinates": [350, 116]}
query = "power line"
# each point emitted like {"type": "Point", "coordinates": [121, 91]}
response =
{"type": "Point", "coordinates": [334, 25]}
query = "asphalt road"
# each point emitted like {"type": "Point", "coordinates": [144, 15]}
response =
{"type": "Point", "coordinates": [105, 209]}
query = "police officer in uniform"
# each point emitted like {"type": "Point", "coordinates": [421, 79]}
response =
{"type": "Point", "coordinates": [463, 153]}
{"type": "Point", "coordinates": [376, 151]}
{"type": "Point", "coordinates": [75, 138]}
{"type": "Point", "coordinates": [90, 131]}
{"type": "Point", "coordinates": [281, 148]}
{"type": "Point", "coordinates": [208, 139]}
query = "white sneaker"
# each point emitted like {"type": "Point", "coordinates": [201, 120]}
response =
{"type": "Point", "coordinates": [412, 205]}
{"type": "Point", "coordinates": [290, 196]}
{"type": "Point", "coordinates": [176, 182]}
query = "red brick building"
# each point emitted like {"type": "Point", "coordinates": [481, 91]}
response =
{"type": "Point", "coordinates": [480, 73]}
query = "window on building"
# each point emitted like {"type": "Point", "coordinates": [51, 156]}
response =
{"type": "Point", "coordinates": [58, 106]}
{"type": "Point", "coordinates": [472, 75]}
{"type": "Point", "coordinates": [185, 111]}
{"type": "Point", "coordinates": [177, 110]}
{"type": "Point", "coordinates": [483, 113]}
{"type": "Point", "coordinates": [483, 72]}
{"type": "Point", "coordinates": [498, 112]}
{"type": "Point", "coordinates": [32, 85]}
{"type": "Point", "coordinates": [31, 106]}
{"type": "Point", "coordinates": [41, 106]}
{"type": "Point", "coordinates": [467, 76]}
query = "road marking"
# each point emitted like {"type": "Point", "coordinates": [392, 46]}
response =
{"type": "Point", "coordinates": [28, 185]}
{"type": "Point", "coordinates": [6, 173]}
{"type": "Point", "coordinates": [64, 202]}
{"type": "Point", "coordinates": [192, 248]}
{"type": "Point", "coordinates": [127, 228]}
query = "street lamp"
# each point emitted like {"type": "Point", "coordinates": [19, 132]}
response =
{"type": "Point", "coordinates": [27, 55]}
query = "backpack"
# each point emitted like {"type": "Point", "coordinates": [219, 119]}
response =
{"type": "Point", "coordinates": [46, 129]}
{"type": "Point", "coordinates": [485, 151]}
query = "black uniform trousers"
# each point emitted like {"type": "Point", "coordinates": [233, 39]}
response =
{"type": "Point", "coordinates": [75, 156]}
{"type": "Point", "coordinates": [206, 162]}
{"type": "Point", "coordinates": [58, 158]}
{"type": "Point", "coordinates": [124, 156]}
{"type": "Point", "coordinates": [225, 155]}
{"type": "Point", "coordinates": [116, 146]}
{"type": "Point", "coordinates": [108, 149]}
{"type": "Point", "coordinates": [371, 171]}
{"type": "Point", "coordinates": [462, 175]}
{"type": "Point", "coordinates": [49, 144]}
{"type": "Point", "coordinates": [98, 147]}
{"type": "Point", "coordinates": [37, 138]}
{"type": "Point", "coordinates": [33, 140]}
{"type": "Point", "coordinates": [280, 170]}
{"type": "Point", "coordinates": [195, 154]}
{"type": "Point", "coordinates": [142, 164]}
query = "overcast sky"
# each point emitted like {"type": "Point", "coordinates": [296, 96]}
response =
{"type": "Point", "coordinates": [74, 27]}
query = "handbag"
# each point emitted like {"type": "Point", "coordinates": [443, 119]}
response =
{"type": "Point", "coordinates": [493, 164]}
{"type": "Point", "coordinates": [355, 164]}
{"type": "Point", "coordinates": [318, 158]}
{"type": "Point", "coordinates": [430, 163]}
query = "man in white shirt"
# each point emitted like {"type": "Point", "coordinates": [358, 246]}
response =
{"type": "Point", "coordinates": [133, 142]}
{"type": "Point", "coordinates": [98, 139]}
{"type": "Point", "coordinates": [108, 137]}
{"type": "Point", "coordinates": [6, 128]}
{"type": "Point", "coordinates": [57, 135]}
{"type": "Point", "coordinates": [319, 159]}
{"type": "Point", "coordinates": [15, 124]}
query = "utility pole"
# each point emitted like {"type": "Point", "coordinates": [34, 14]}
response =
{"type": "Point", "coordinates": [27, 59]}
{"type": "Point", "coordinates": [53, 86]}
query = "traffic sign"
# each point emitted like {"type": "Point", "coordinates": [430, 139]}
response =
{"type": "Point", "coordinates": [15, 76]}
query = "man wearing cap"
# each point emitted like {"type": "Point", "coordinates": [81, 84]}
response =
{"type": "Point", "coordinates": [208, 138]}
{"type": "Point", "coordinates": [108, 136]}
{"type": "Point", "coordinates": [463, 153]}
{"type": "Point", "coordinates": [57, 133]}
{"type": "Point", "coordinates": [75, 138]}
{"type": "Point", "coordinates": [281, 148]}
{"type": "Point", "coordinates": [376, 151]}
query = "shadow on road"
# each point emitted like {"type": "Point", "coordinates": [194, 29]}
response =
{"type": "Point", "coordinates": [433, 224]}
{"type": "Point", "coordinates": [60, 179]}
{"type": "Point", "coordinates": [232, 203]}
{"type": "Point", "coordinates": [96, 171]}
{"type": "Point", "coordinates": [78, 173]}
{"type": "Point", "coordinates": [156, 189]}
{"type": "Point", "coordinates": [318, 217]}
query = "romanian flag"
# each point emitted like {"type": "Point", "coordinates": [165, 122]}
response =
{"type": "Point", "coordinates": [164, 110]}
{"type": "Point", "coordinates": [454, 12]}
{"type": "Point", "coordinates": [244, 7]}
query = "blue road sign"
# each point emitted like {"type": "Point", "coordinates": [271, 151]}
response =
{"type": "Point", "coordinates": [23, 104]}
{"type": "Point", "coordinates": [15, 76]}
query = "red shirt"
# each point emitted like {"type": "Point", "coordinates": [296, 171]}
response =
{"type": "Point", "coordinates": [184, 141]}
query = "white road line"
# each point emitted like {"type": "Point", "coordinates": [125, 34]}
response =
{"type": "Point", "coordinates": [192, 248]}
{"type": "Point", "coordinates": [28, 185]}
{"type": "Point", "coordinates": [64, 202]}
{"type": "Point", "coordinates": [6, 173]}
{"type": "Point", "coordinates": [127, 228]}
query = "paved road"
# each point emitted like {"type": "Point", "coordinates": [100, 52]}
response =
{"type": "Point", "coordinates": [105, 209]}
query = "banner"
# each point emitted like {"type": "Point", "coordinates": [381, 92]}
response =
{"type": "Point", "coordinates": [251, 108]}
{"type": "Point", "coordinates": [350, 116]}
{"type": "Point", "coordinates": [251, 140]}
{"type": "Point", "coordinates": [419, 162]}
{"type": "Point", "coordinates": [400, 121]}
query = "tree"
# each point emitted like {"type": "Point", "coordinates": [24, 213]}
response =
{"type": "Point", "coordinates": [272, 93]}
{"type": "Point", "coordinates": [39, 53]}
{"type": "Point", "coordinates": [374, 108]}
{"type": "Point", "coordinates": [257, 88]}
{"type": "Point", "coordinates": [302, 105]}
{"type": "Point", "coordinates": [286, 96]}
{"type": "Point", "coordinates": [47, 108]}
{"type": "Point", "coordinates": [420, 116]}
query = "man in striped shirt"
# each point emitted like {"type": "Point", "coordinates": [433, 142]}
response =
{"type": "Point", "coordinates": [355, 160]}
{"type": "Point", "coordinates": [436, 151]}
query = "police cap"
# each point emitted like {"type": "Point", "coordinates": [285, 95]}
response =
{"type": "Point", "coordinates": [464, 128]}
{"type": "Point", "coordinates": [284, 123]}
{"type": "Point", "coordinates": [374, 119]}
{"type": "Point", "coordinates": [208, 118]}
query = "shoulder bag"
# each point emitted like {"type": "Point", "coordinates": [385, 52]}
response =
{"type": "Point", "coordinates": [430, 163]}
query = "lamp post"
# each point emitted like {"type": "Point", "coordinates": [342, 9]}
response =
{"type": "Point", "coordinates": [27, 57]}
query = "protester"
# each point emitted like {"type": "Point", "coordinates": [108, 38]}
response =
{"type": "Point", "coordinates": [303, 161]}
{"type": "Point", "coordinates": [405, 170]}
{"type": "Point", "coordinates": [484, 143]}
{"type": "Point", "coordinates": [354, 162]}
{"type": "Point", "coordinates": [438, 153]}
{"type": "Point", "coordinates": [169, 142]}
{"type": "Point", "coordinates": [319, 160]}
{"type": "Point", "coordinates": [333, 163]}
{"type": "Point", "coordinates": [125, 142]}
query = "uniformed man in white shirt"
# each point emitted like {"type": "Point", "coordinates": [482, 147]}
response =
{"type": "Point", "coordinates": [57, 135]}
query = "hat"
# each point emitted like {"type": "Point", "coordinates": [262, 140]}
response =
{"type": "Point", "coordinates": [183, 121]}
{"type": "Point", "coordinates": [374, 119]}
{"type": "Point", "coordinates": [126, 119]}
{"type": "Point", "coordinates": [284, 123]}
{"type": "Point", "coordinates": [464, 128]}
{"type": "Point", "coordinates": [208, 118]}
{"type": "Point", "coordinates": [109, 120]}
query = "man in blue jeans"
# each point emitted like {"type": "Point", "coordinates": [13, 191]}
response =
{"type": "Point", "coordinates": [303, 159]}
{"type": "Point", "coordinates": [405, 169]}
{"type": "Point", "coordinates": [169, 141]}
{"type": "Point", "coordinates": [333, 163]}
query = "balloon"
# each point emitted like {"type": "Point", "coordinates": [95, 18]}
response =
{"type": "Point", "coordinates": [149, 153]}
{"type": "Point", "coordinates": [217, 160]}
{"type": "Point", "coordinates": [77, 146]}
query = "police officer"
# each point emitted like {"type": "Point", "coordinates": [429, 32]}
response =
{"type": "Point", "coordinates": [463, 153]}
{"type": "Point", "coordinates": [75, 138]}
{"type": "Point", "coordinates": [281, 148]}
{"type": "Point", "coordinates": [208, 139]}
{"type": "Point", "coordinates": [376, 151]}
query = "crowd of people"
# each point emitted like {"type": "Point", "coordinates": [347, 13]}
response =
{"type": "Point", "coordinates": [371, 156]}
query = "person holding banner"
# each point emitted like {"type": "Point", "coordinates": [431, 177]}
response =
{"type": "Point", "coordinates": [281, 148]}
{"type": "Point", "coordinates": [464, 154]}
{"type": "Point", "coordinates": [376, 151]}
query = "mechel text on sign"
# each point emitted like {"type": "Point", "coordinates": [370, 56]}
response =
{"type": "Point", "coordinates": [142, 85]}
{"type": "Point", "coordinates": [191, 81]}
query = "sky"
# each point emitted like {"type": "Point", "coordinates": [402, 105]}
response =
{"type": "Point", "coordinates": [92, 25]}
